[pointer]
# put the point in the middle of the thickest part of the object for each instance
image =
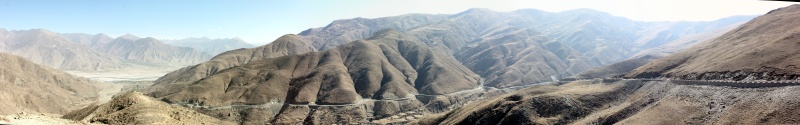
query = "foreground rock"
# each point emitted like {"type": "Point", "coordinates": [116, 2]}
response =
{"type": "Point", "coordinates": [631, 102]}
{"type": "Point", "coordinates": [136, 108]}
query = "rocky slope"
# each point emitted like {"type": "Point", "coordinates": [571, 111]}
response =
{"type": "Point", "coordinates": [522, 57]}
{"type": "Point", "coordinates": [53, 50]}
{"type": "Point", "coordinates": [150, 50]}
{"type": "Point", "coordinates": [757, 50]}
{"type": "Point", "coordinates": [210, 46]}
{"type": "Point", "coordinates": [630, 102]}
{"type": "Point", "coordinates": [32, 88]}
{"type": "Point", "coordinates": [137, 109]}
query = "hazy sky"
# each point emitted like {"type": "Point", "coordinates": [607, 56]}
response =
{"type": "Point", "coordinates": [262, 21]}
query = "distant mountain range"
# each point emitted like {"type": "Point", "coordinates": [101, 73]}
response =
{"type": "Point", "coordinates": [84, 52]}
{"type": "Point", "coordinates": [210, 46]}
{"type": "Point", "coordinates": [54, 50]}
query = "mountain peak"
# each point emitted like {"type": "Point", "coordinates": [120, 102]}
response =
{"type": "Point", "coordinates": [129, 37]}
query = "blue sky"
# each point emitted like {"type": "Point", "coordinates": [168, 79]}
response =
{"type": "Point", "coordinates": [261, 21]}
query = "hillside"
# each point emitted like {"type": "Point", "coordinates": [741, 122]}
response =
{"type": "Point", "coordinates": [51, 49]}
{"type": "Point", "coordinates": [150, 50]}
{"type": "Point", "coordinates": [29, 87]}
{"type": "Point", "coordinates": [686, 42]}
{"type": "Point", "coordinates": [210, 46]}
{"type": "Point", "coordinates": [629, 102]}
{"type": "Point", "coordinates": [756, 50]}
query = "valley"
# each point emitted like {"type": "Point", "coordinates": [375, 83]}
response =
{"type": "Point", "coordinates": [476, 66]}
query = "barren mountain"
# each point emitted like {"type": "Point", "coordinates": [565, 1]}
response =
{"type": "Point", "coordinates": [522, 57]}
{"type": "Point", "coordinates": [757, 50]}
{"type": "Point", "coordinates": [630, 102]}
{"type": "Point", "coordinates": [137, 109]}
{"type": "Point", "coordinates": [686, 41]}
{"type": "Point", "coordinates": [92, 41]}
{"type": "Point", "coordinates": [389, 65]}
{"type": "Point", "coordinates": [210, 46]}
{"type": "Point", "coordinates": [577, 47]}
{"type": "Point", "coordinates": [314, 39]}
{"type": "Point", "coordinates": [29, 87]}
{"type": "Point", "coordinates": [53, 50]}
{"type": "Point", "coordinates": [150, 50]}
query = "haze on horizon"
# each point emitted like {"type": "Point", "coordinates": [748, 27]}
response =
{"type": "Point", "coordinates": [260, 22]}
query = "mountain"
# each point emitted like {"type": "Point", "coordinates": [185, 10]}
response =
{"type": "Point", "coordinates": [389, 65]}
{"type": "Point", "coordinates": [690, 40]}
{"type": "Point", "coordinates": [313, 39]}
{"type": "Point", "coordinates": [53, 50]}
{"type": "Point", "coordinates": [624, 67]}
{"type": "Point", "coordinates": [577, 47]}
{"type": "Point", "coordinates": [757, 50]}
{"type": "Point", "coordinates": [136, 108]}
{"type": "Point", "coordinates": [32, 88]}
{"type": "Point", "coordinates": [150, 50]}
{"type": "Point", "coordinates": [506, 49]}
{"type": "Point", "coordinates": [92, 41]}
{"type": "Point", "coordinates": [210, 46]}
{"type": "Point", "coordinates": [521, 57]}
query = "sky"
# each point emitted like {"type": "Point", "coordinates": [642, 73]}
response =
{"type": "Point", "coordinates": [261, 21]}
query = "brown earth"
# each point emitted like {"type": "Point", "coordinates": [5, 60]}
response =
{"type": "Point", "coordinates": [631, 102]}
{"type": "Point", "coordinates": [28, 87]}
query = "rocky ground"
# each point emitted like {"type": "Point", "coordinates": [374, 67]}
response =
{"type": "Point", "coordinates": [631, 102]}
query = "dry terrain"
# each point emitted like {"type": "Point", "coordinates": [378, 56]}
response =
{"type": "Point", "coordinates": [631, 102]}
{"type": "Point", "coordinates": [136, 108]}
{"type": "Point", "coordinates": [29, 87]}
{"type": "Point", "coordinates": [762, 49]}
